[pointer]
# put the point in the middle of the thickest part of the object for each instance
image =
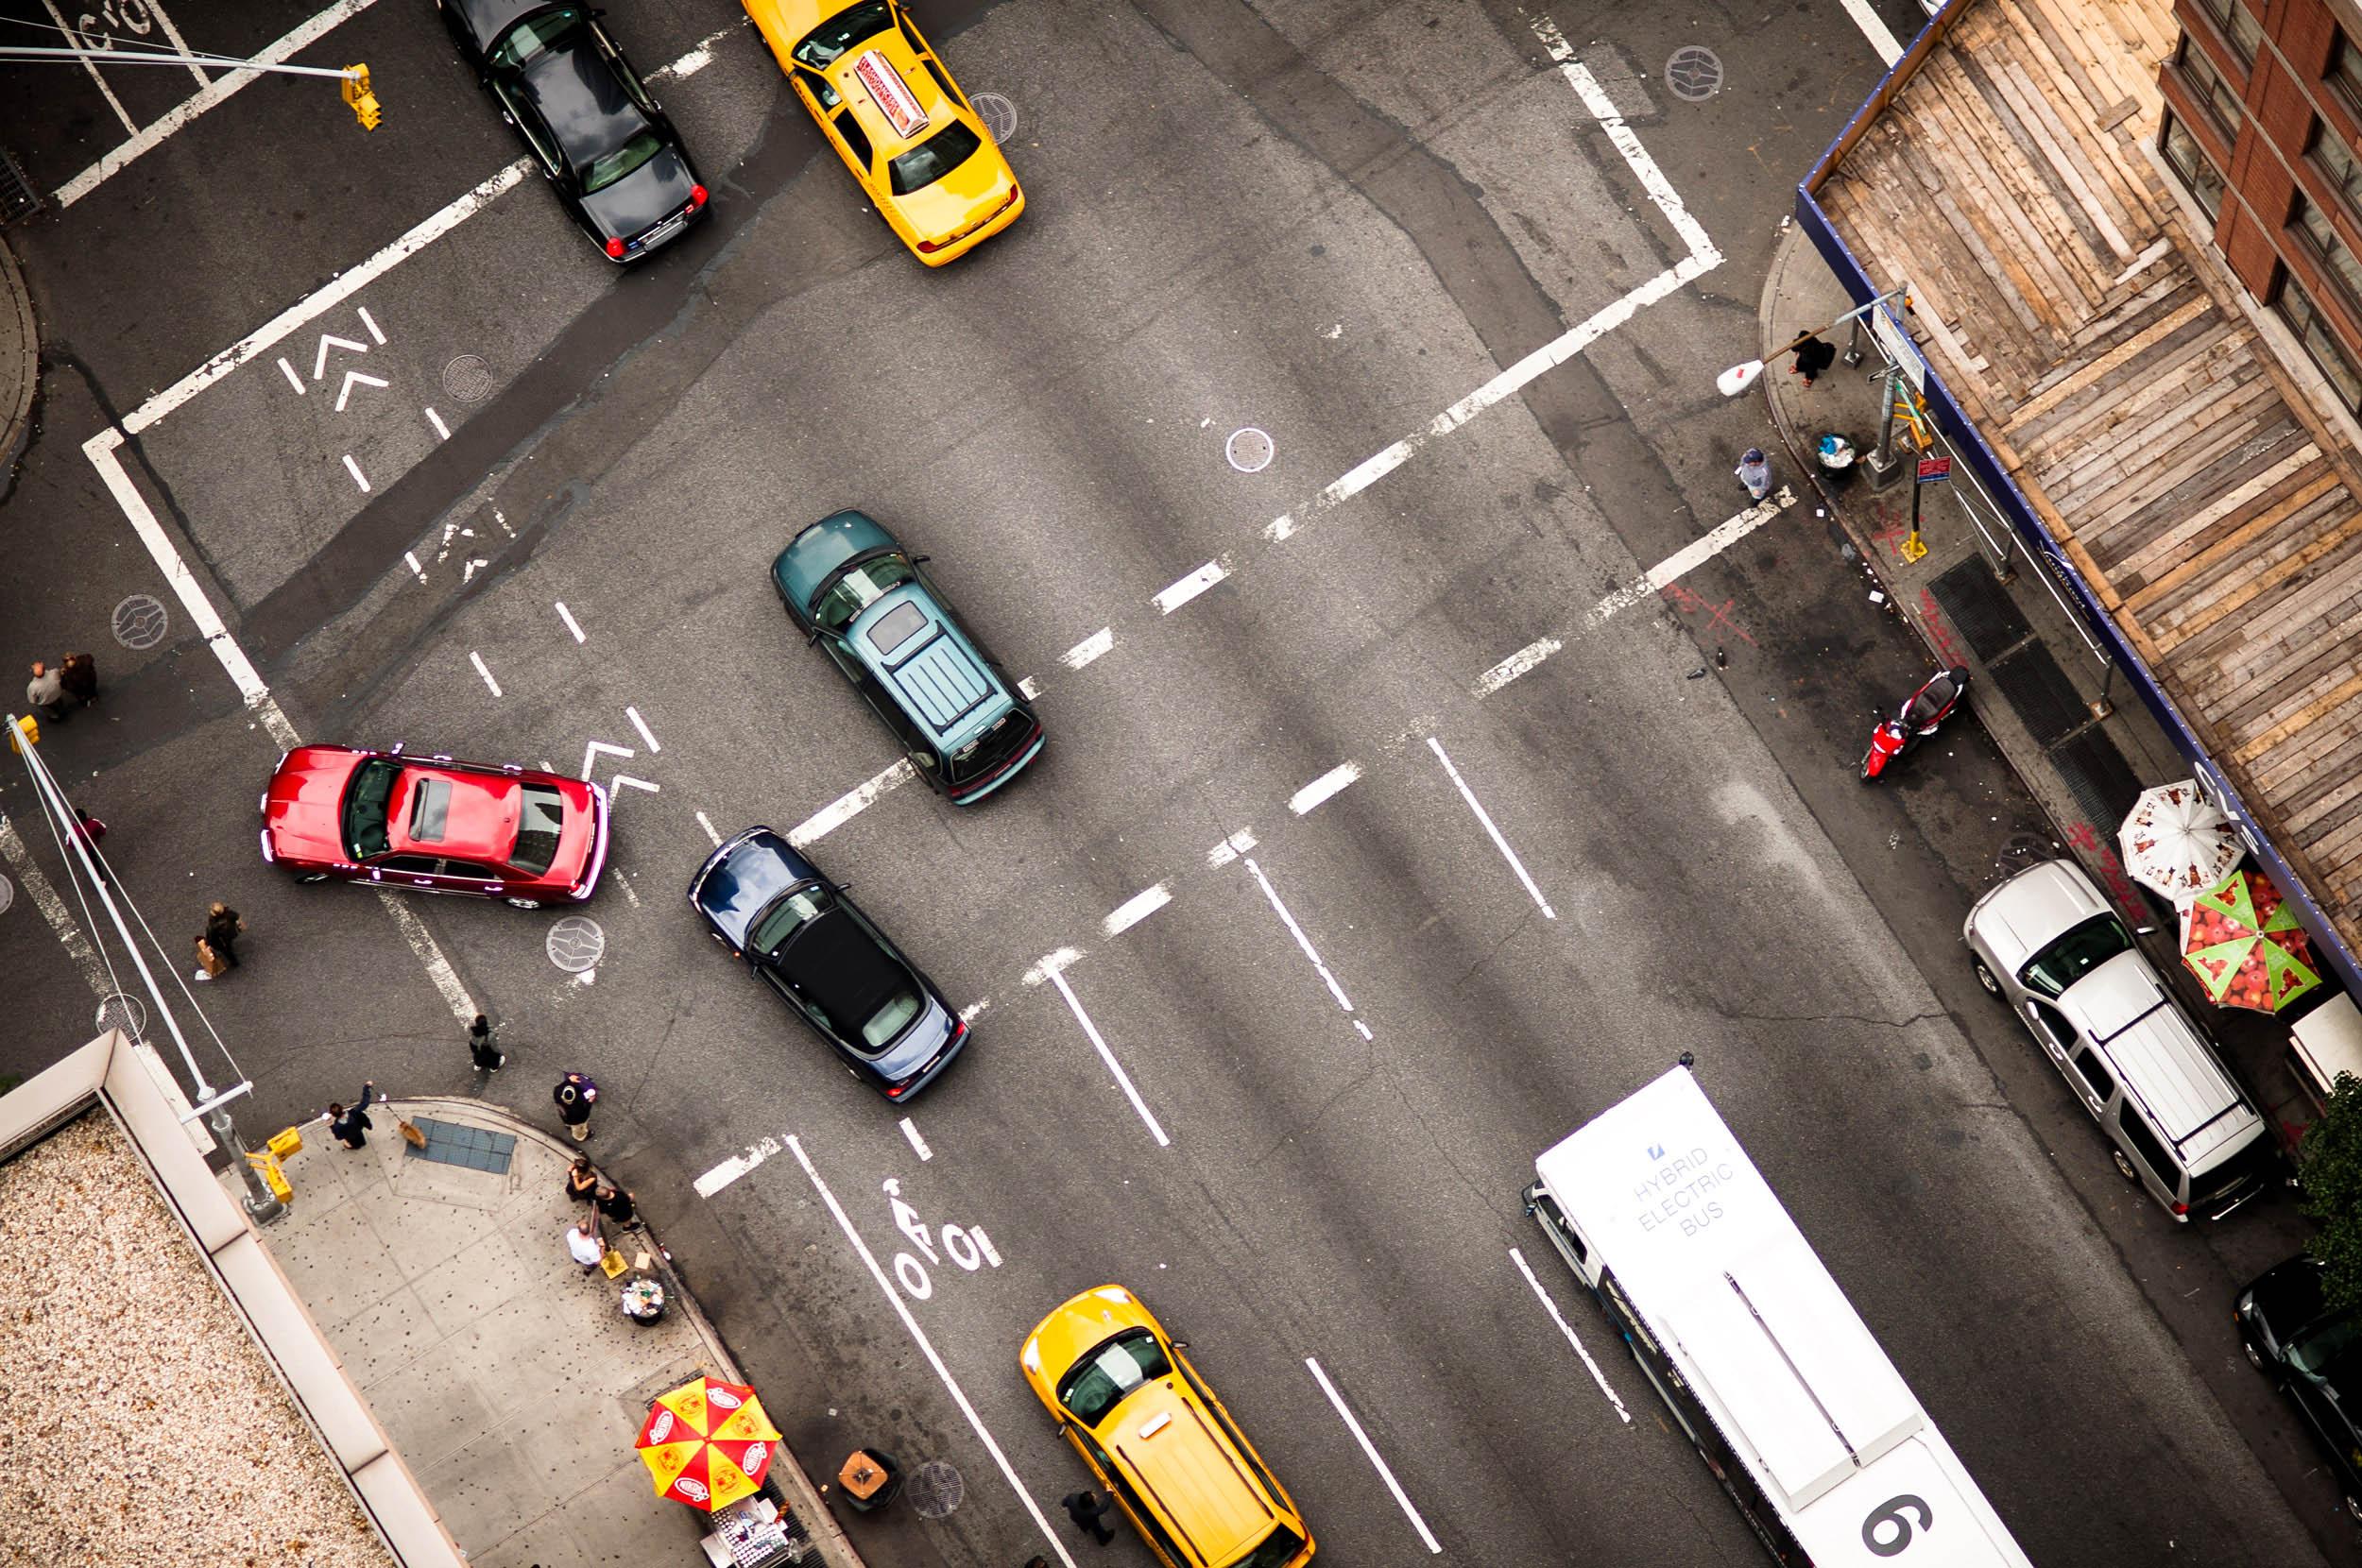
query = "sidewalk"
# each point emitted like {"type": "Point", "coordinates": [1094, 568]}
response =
{"type": "Point", "coordinates": [512, 1384]}
{"type": "Point", "coordinates": [2035, 677]}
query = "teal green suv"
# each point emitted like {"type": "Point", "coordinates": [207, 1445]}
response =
{"type": "Point", "coordinates": [862, 598]}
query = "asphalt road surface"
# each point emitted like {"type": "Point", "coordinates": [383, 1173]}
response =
{"type": "Point", "coordinates": [1386, 831]}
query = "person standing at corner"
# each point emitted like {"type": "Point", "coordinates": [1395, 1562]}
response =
{"type": "Point", "coordinates": [46, 693]}
{"type": "Point", "coordinates": [576, 1094]}
{"type": "Point", "coordinates": [582, 1180]}
{"type": "Point", "coordinates": [617, 1208]}
{"type": "Point", "coordinates": [1085, 1508]}
{"type": "Point", "coordinates": [222, 927]}
{"type": "Point", "coordinates": [488, 1057]}
{"type": "Point", "coordinates": [352, 1124]}
{"type": "Point", "coordinates": [1755, 472]}
{"type": "Point", "coordinates": [79, 674]}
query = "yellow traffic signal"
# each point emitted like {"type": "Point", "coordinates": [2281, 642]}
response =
{"type": "Point", "coordinates": [357, 93]}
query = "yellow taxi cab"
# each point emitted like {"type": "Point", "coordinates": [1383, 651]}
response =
{"type": "Point", "coordinates": [888, 106]}
{"type": "Point", "coordinates": [1145, 1422]}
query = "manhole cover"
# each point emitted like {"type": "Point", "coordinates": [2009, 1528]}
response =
{"type": "Point", "coordinates": [8, 894]}
{"type": "Point", "coordinates": [1000, 115]}
{"type": "Point", "coordinates": [141, 622]}
{"type": "Point", "coordinates": [126, 1013]}
{"type": "Point", "coordinates": [575, 944]}
{"type": "Point", "coordinates": [468, 378]}
{"type": "Point", "coordinates": [1250, 450]}
{"type": "Point", "coordinates": [1694, 73]}
{"type": "Point", "coordinates": [934, 1490]}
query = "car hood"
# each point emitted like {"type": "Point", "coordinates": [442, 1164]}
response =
{"type": "Point", "coordinates": [743, 876]}
{"type": "Point", "coordinates": [2033, 908]}
{"type": "Point", "coordinates": [801, 569]}
{"type": "Point", "coordinates": [644, 197]}
{"type": "Point", "coordinates": [303, 807]}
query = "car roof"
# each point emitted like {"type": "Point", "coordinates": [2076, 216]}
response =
{"type": "Point", "coordinates": [833, 958]}
{"type": "Point", "coordinates": [798, 571]}
{"type": "Point", "coordinates": [1161, 1434]}
{"type": "Point", "coordinates": [583, 102]}
{"type": "Point", "coordinates": [937, 675]}
{"type": "Point", "coordinates": [887, 59]}
{"type": "Point", "coordinates": [2162, 1058]}
{"type": "Point", "coordinates": [488, 18]}
{"type": "Point", "coordinates": [453, 811]}
{"type": "Point", "coordinates": [2034, 908]}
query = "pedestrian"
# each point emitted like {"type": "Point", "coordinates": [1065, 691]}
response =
{"type": "Point", "coordinates": [576, 1094]}
{"type": "Point", "coordinates": [584, 1243]}
{"type": "Point", "coordinates": [582, 1182]}
{"type": "Point", "coordinates": [46, 693]}
{"type": "Point", "coordinates": [617, 1208]}
{"type": "Point", "coordinates": [487, 1056]}
{"type": "Point", "coordinates": [87, 831]}
{"type": "Point", "coordinates": [352, 1124]}
{"type": "Point", "coordinates": [222, 927]}
{"type": "Point", "coordinates": [1812, 357]}
{"type": "Point", "coordinates": [1755, 472]}
{"type": "Point", "coordinates": [79, 674]}
{"type": "Point", "coordinates": [1037, 1561]}
{"type": "Point", "coordinates": [1085, 1508]}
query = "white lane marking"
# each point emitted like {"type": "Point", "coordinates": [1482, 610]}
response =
{"type": "Point", "coordinates": [1322, 788]}
{"type": "Point", "coordinates": [328, 341]}
{"type": "Point", "coordinates": [910, 1324]}
{"type": "Point", "coordinates": [1551, 1308]}
{"type": "Point", "coordinates": [1050, 963]}
{"type": "Point", "coordinates": [217, 90]}
{"type": "Point", "coordinates": [474, 565]}
{"type": "Point", "coordinates": [1137, 909]}
{"type": "Point", "coordinates": [1369, 1448]}
{"type": "Point", "coordinates": [970, 1013]}
{"type": "Point", "coordinates": [850, 805]}
{"type": "Point", "coordinates": [919, 1145]}
{"type": "Point", "coordinates": [1029, 689]}
{"type": "Point", "coordinates": [45, 895]}
{"type": "Point", "coordinates": [642, 725]}
{"type": "Point", "coordinates": [354, 379]}
{"type": "Point", "coordinates": [1088, 649]}
{"type": "Point", "coordinates": [568, 616]}
{"type": "Point", "coordinates": [704, 822]}
{"type": "Point", "coordinates": [1882, 41]}
{"type": "Point", "coordinates": [1694, 555]}
{"type": "Point", "coordinates": [626, 781]}
{"type": "Point", "coordinates": [354, 468]}
{"type": "Point", "coordinates": [415, 935]}
{"type": "Point", "coordinates": [736, 1165]}
{"type": "Point", "coordinates": [179, 44]}
{"type": "Point", "coordinates": [1057, 978]}
{"type": "Point", "coordinates": [1230, 848]}
{"type": "Point", "coordinates": [590, 753]}
{"type": "Point", "coordinates": [417, 570]}
{"type": "Point", "coordinates": [1637, 157]}
{"type": "Point", "coordinates": [621, 881]}
{"type": "Point", "coordinates": [442, 430]}
{"type": "Point", "coordinates": [312, 305]}
{"type": "Point", "coordinates": [293, 379]}
{"type": "Point", "coordinates": [700, 54]}
{"type": "Point", "coordinates": [1363, 1028]}
{"type": "Point", "coordinates": [370, 322]}
{"type": "Point", "coordinates": [1189, 588]}
{"type": "Point", "coordinates": [1297, 931]}
{"type": "Point", "coordinates": [91, 66]}
{"type": "Point", "coordinates": [1517, 664]}
{"type": "Point", "coordinates": [692, 62]}
{"type": "Point", "coordinates": [1485, 817]}
{"type": "Point", "coordinates": [477, 659]}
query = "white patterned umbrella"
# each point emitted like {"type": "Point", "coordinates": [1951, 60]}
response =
{"type": "Point", "coordinates": [2176, 843]}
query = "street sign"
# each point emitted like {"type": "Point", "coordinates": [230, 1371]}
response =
{"type": "Point", "coordinates": [1934, 471]}
{"type": "Point", "coordinates": [1896, 340]}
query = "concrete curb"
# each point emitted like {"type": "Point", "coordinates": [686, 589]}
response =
{"type": "Point", "coordinates": [20, 359]}
{"type": "Point", "coordinates": [836, 1551]}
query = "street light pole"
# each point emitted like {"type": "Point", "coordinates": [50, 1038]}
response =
{"type": "Point", "coordinates": [1740, 377]}
{"type": "Point", "coordinates": [27, 54]}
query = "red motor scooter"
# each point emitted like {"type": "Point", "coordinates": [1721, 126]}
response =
{"type": "Point", "coordinates": [1920, 717]}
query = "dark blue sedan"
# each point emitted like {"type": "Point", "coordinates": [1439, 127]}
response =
{"type": "Point", "coordinates": [594, 131]}
{"type": "Point", "coordinates": [771, 907]}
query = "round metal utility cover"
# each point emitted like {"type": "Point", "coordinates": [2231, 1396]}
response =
{"type": "Point", "coordinates": [468, 378]}
{"type": "Point", "coordinates": [1694, 73]}
{"type": "Point", "coordinates": [141, 622]}
{"type": "Point", "coordinates": [575, 944]}
{"type": "Point", "coordinates": [1250, 450]}
{"type": "Point", "coordinates": [8, 894]}
{"type": "Point", "coordinates": [934, 1490]}
{"type": "Point", "coordinates": [999, 114]}
{"type": "Point", "coordinates": [126, 1013]}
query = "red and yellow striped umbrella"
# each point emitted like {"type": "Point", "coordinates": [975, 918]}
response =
{"type": "Point", "coordinates": [708, 1443]}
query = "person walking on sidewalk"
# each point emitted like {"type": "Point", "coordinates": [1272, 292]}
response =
{"type": "Point", "coordinates": [46, 693]}
{"type": "Point", "coordinates": [79, 674]}
{"type": "Point", "coordinates": [576, 1094]}
{"type": "Point", "coordinates": [222, 928]}
{"type": "Point", "coordinates": [1755, 472]}
{"type": "Point", "coordinates": [1085, 1508]}
{"type": "Point", "coordinates": [488, 1057]}
{"type": "Point", "coordinates": [582, 1180]}
{"type": "Point", "coordinates": [1812, 357]}
{"type": "Point", "coordinates": [352, 1124]}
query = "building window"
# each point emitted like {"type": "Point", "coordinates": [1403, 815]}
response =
{"type": "Point", "coordinates": [2190, 162]}
{"type": "Point", "coordinates": [2345, 70]}
{"type": "Point", "coordinates": [2238, 25]}
{"type": "Point", "coordinates": [2331, 252]}
{"type": "Point", "coordinates": [2206, 84]}
{"type": "Point", "coordinates": [2336, 163]}
{"type": "Point", "coordinates": [2304, 318]}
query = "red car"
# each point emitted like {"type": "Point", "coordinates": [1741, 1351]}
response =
{"type": "Point", "coordinates": [431, 825]}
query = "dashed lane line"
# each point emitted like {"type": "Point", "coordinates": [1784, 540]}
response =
{"type": "Point", "coordinates": [45, 896]}
{"type": "Point", "coordinates": [1321, 788]}
{"type": "Point", "coordinates": [1369, 1450]}
{"type": "Point", "coordinates": [1486, 818]}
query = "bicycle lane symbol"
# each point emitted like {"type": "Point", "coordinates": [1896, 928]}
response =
{"type": "Point", "coordinates": [966, 1246]}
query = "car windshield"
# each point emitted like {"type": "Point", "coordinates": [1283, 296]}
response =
{"type": "Point", "coordinates": [365, 806]}
{"type": "Point", "coordinates": [538, 824]}
{"type": "Point", "coordinates": [860, 588]}
{"type": "Point", "coordinates": [785, 916]}
{"type": "Point", "coordinates": [532, 37]}
{"type": "Point", "coordinates": [2328, 1352]}
{"type": "Point", "coordinates": [1279, 1549]}
{"type": "Point", "coordinates": [2082, 949]}
{"type": "Point", "coordinates": [841, 31]}
{"type": "Point", "coordinates": [891, 1020]}
{"type": "Point", "coordinates": [609, 167]}
{"type": "Point", "coordinates": [937, 156]}
{"type": "Point", "coordinates": [1098, 1384]}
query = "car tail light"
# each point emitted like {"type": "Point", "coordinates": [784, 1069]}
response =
{"type": "Point", "coordinates": [2180, 1210]}
{"type": "Point", "coordinates": [895, 1093]}
{"type": "Point", "coordinates": [928, 248]}
{"type": "Point", "coordinates": [615, 249]}
{"type": "Point", "coordinates": [696, 195]}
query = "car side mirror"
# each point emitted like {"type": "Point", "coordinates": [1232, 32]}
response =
{"type": "Point", "coordinates": [1180, 1344]}
{"type": "Point", "coordinates": [2145, 930]}
{"type": "Point", "coordinates": [812, 637]}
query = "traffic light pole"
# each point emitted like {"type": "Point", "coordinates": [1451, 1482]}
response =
{"type": "Point", "coordinates": [30, 54]}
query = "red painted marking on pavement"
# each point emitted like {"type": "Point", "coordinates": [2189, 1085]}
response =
{"type": "Point", "coordinates": [2083, 836]}
{"type": "Point", "coordinates": [1689, 603]}
{"type": "Point", "coordinates": [1939, 631]}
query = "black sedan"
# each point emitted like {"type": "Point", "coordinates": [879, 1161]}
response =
{"type": "Point", "coordinates": [585, 115]}
{"type": "Point", "coordinates": [771, 907]}
{"type": "Point", "coordinates": [2314, 1353]}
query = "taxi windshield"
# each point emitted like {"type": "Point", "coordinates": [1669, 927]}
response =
{"type": "Point", "coordinates": [861, 586]}
{"type": "Point", "coordinates": [840, 32]}
{"type": "Point", "coordinates": [1098, 1384]}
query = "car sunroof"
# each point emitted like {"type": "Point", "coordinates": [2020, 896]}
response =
{"type": "Point", "coordinates": [896, 627]}
{"type": "Point", "coordinates": [430, 802]}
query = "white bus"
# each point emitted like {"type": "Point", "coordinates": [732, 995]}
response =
{"type": "Point", "coordinates": [1753, 1346]}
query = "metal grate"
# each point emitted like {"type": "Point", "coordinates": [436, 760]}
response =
{"type": "Point", "coordinates": [17, 199]}
{"type": "Point", "coordinates": [451, 1143]}
{"type": "Point", "coordinates": [2045, 700]}
{"type": "Point", "coordinates": [2104, 785]}
{"type": "Point", "coordinates": [1980, 611]}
